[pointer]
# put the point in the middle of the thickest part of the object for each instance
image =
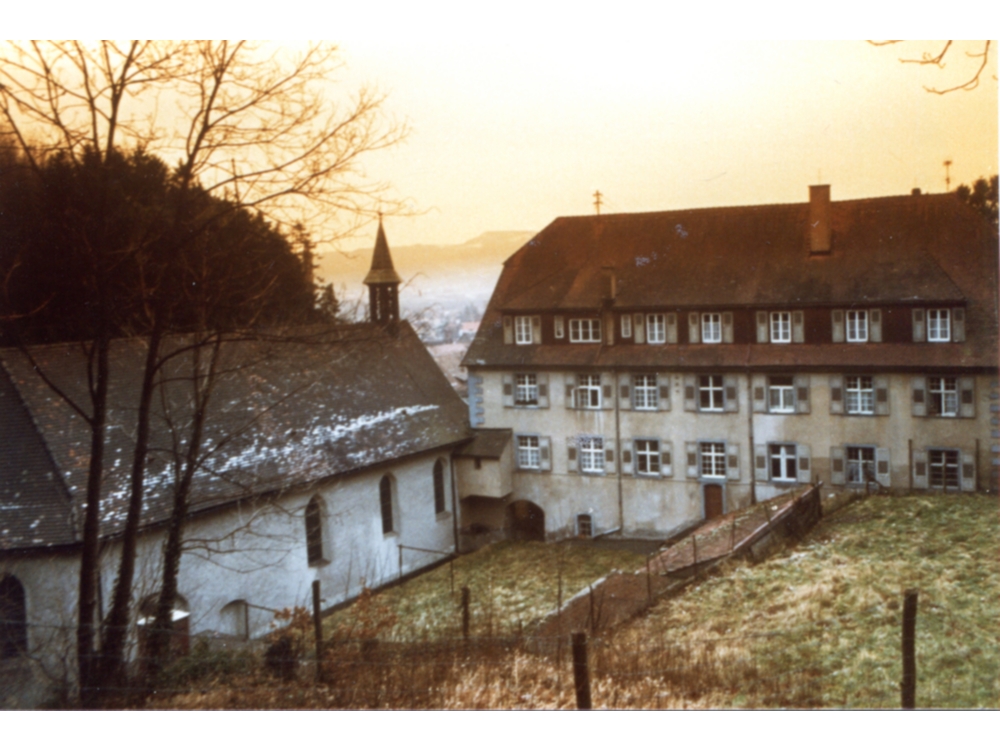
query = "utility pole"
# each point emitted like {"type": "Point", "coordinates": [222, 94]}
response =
{"type": "Point", "coordinates": [947, 175]}
{"type": "Point", "coordinates": [597, 201]}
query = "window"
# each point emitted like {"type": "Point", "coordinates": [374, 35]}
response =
{"type": "Point", "coordinates": [526, 389]}
{"type": "Point", "coordinates": [943, 396]}
{"type": "Point", "coordinates": [783, 462]}
{"type": "Point", "coordinates": [647, 457]}
{"type": "Point", "coordinates": [314, 532]}
{"type": "Point", "coordinates": [13, 618]}
{"type": "Point", "coordinates": [584, 525]}
{"type": "Point", "coordinates": [860, 465]}
{"type": "Point", "coordinates": [781, 394]}
{"type": "Point", "coordinates": [857, 326]}
{"type": "Point", "coordinates": [944, 470]}
{"type": "Point", "coordinates": [439, 502]}
{"type": "Point", "coordinates": [584, 330]}
{"type": "Point", "coordinates": [236, 619]}
{"type": "Point", "coordinates": [860, 395]}
{"type": "Point", "coordinates": [592, 454]}
{"type": "Point", "coordinates": [713, 460]}
{"type": "Point", "coordinates": [588, 392]}
{"type": "Point", "coordinates": [939, 325]}
{"type": "Point", "coordinates": [626, 326]}
{"type": "Point", "coordinates": [528, 452]}
{"type": "Point", "coordinates": [557, 327]}
{"type": "Point", "coordinates": [644, 392]}
{"type": "Point", "coordinates": [656, 328]}
{"type": "Point", "coordinates": [711, 328]}
{"type": "Point", "coordinates": [711, 392]}
{"type": "Point", "coordinates": [522, 329]}
{"type": "Point", "coordinates": [781, 327]}
{"type": "Point", "coordinates": [385, 493]}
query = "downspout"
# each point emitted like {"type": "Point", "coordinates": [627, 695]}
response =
{"type": "Point", "coordinates": [618, 448]}
{"type": "Point", "coordinates": [454, 500]}
{"type": "Point", "coordinates": [752, 457]}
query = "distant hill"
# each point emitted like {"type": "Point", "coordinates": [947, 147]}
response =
{"type": "Point", "coordinates": [446, 276]}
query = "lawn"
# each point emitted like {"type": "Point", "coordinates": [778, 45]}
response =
{"type": "Point", "coordinates": [511, 586]}
{"type": "Point", "coordinates": [828, 612]}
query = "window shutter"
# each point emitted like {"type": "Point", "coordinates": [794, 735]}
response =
{"type": "Point", "coordinates": [837, 319]}
{"type": "Point", "coordinates": [919, 332]}
{"type": "Point", "coordinates": [760, 394]}
{"type": "Point", "coordinates": [801, 383]}
{"type": "Point", "coordinates": [760, 473]}
{"type": "Point", "coordinates": [627, 457]}
{"type": "Point", "coordinates": [918, 400]}
{"type": "Point", "coordinates": [883, 467]}
{"type": "Point", "coordinates": [798, 327]}
{"type": "Point", "coordinates": [543, 390]}
{"type": "Point", "coordinates": [875, 325]}
{"type": "Point", "coordinates": [663, 386]}
{"type": "Point", "coordinates": [968, 472]}
{"type": "Point", "coordinates": [557, 326]}
{"type": "Point", "coordinates": [881, 385]}
{"type": "Point", "coordinates": [638, 328]}
{"type": "Point", "coordinates": [691, 448]}
{"type": "Point", "coordinates": [570, 391]}
{"type": "Point", "coordinates": [607, 390]}
{"type": "Point", "coordinates": [536, 329]}
{"type": "Point", "coordinates": [508, 329]}
{"type": "Point", "coordinates": [694, 329]}
{"type": "Point", "coordinates": [624, 393]}
{"type": "Point", "coordinates": [508, 389]}
{"type": "Point", "coordinates": [921, 480]}
{"type": "Point", "coordinates": [804, 457]}
{"type": "Point", "coordinates": [610, 464]}
{"type": "Point", "coordinates": [762, 333]}
{"type": "Point", "coordinates": [958, 324]}
{"type": "Point", "coordinates": [727, 328]}
{"type": "Point", "coordinates": [571, 463]}
{"type": "Point", "coordinates": [731, 400]}
{"type": "Point", "coordinates": [608, 321]}
{"type": "Point", "coordinates": [837, 468]}
{"type": "Point", "coordinates": [666, 458]}
{"type": "Point", "coordinates": [967, 397]}
{"type": "Point", "coordinates": [690, 393]}
{"type": "Point", "coordinates": [545, 453]}
{"type": "Point", "coordinates": [671, 328]}
{"type": "Point", "coordinates": [837, 395]}
{"type": "Point", "coordinates": [733, 461]}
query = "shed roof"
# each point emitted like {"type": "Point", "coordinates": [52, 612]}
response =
{"type": "Point", "coordinates": [487, 443]}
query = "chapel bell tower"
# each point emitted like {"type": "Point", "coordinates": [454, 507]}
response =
{"type": "Point", "coordinates": [383, 284]}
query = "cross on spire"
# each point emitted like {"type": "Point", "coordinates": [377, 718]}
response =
{"type": "Point", "coordinates": [597, 201]}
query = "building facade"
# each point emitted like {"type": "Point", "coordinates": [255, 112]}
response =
{"type": "Point", "coordinates": [658, 369]}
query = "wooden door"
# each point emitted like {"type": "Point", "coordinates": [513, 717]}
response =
{"type": "Point", "coordinates": [713, 501]}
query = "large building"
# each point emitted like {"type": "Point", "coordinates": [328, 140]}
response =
{"type": "Point", "coordinates": [642, 372]}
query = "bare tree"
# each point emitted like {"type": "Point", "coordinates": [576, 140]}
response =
{"type": "Point", "coordinates": [980, 55]}
{"type": "Point", "coordinates": [256, 133]}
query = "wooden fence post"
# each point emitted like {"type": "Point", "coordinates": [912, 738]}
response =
{"type": "Point", "coordinates": [451, 570]}
{"type": "Point", "coordinates": [581, 675]}
{"type": "Point", "coordinates": [909, 684]}
{"type": "Point", "coordinates": [318, 630]}
{"type": "Point", "coordinates": [649, 582]}
{"type": "Point", "coordinates": [400, 548]}
{"type": "Point", "coordinates": [465, 612]}
{"type": "Point", "coordinates": [592, 623]}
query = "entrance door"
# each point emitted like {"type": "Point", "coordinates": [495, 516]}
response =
{"type": "Point", "coordinates": [525, 521]}
{"type": "Point", "coordinates": [713, 501]}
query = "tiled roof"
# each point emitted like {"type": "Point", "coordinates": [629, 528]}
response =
{"type": "Point", "coordinates": [284, 414]}
{"type": "Point", "coordinates": [904, 250]}
{"type": "Point", "coordinates": [487, 444]}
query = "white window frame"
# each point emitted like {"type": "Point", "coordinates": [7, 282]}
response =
{"type": "Point", "coordinates": [645, 396]}
{"type": "Point", "coordinates": [647, 457]}
{"type": "Point", "coordinates": [855, 461]}
{"type": "Point", "coordinates": [716, 390]}
{"type": "Point", "coordinates": [711, 328]}
{"type": "Point", "coordinates": [785, 395]}
{"type": "Point", "coordinates": [939, 325]}
{"type": "Point", "coordinates": [859, 394]}
{"type": "Point", "coordinates": [591, 454]}
{"type": "Point", "coordinates": [941, 391]}
{"type": "Point", "coordinates": [781, 328]}
{"type": "Point", "coordinates": [937, 462]}
{"type": "Point", "coordinates": [627, 326]}
{"type": "Point", "coordinates": [585, 334]}
{"type": "Point", "coordinates": [522, 329]}
{"type": "Point", "coordinates": [588, 391]}
{"type": "Point", "coordinates": [525, 389]}
{"type": "Point", "coordinates": [529, 452]}
{"type": "Point", "coordinates": [712, 460]}
{"type": "Point", "coordinates": [785, 457]}
{"type": "Point", "coordinates": [857, 326]}
{"type": "Point", "coordinates": [656, 328]}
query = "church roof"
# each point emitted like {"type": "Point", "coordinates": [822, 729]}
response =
{"type": "Point", "coordinates": [382, 270]}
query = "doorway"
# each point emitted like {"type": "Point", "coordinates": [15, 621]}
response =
{"type": "Point", "coordinates": [713, 501]}
{"type": "Point", "coordinates": [525, 521]}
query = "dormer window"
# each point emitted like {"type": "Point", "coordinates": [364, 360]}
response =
{"type": "Point", "coordinates": [585, 330]}
{"type": "Point", "coordinates": [939, 325]}
{"type": "Point", "coordinates": [857, 326]}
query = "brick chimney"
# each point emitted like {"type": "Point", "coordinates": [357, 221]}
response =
{"type": "Point", "coordinates": [819, 219]}
{"type": "Point", "coordinates": [609, 284]}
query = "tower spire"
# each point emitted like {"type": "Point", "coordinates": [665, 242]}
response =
{"type": "Point", "coordinates": [383, 283]}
